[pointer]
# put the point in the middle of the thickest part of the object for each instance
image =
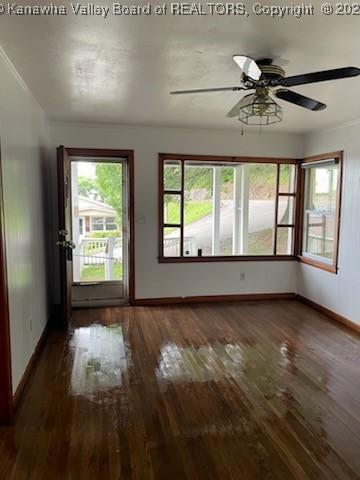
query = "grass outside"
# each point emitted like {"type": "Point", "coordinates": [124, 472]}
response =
{"type": "Point", "coordinates": [196, 210]}
{"type": "Point", "coordinates": [261, 243]}
{"type": "Point", "coordinates": [193, 211]}
{"type": "Point", "coordinates": [96, 273]}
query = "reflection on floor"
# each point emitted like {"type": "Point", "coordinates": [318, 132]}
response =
{"type": "Point", "coordinates": [99, 360]}
{"type": "Point", "coordinates": [265, 390]}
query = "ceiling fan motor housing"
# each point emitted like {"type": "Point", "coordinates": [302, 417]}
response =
{"type": "Point", "coordinates": [272, 71]}
{"type": "Point", "coordinates": [269, 70]}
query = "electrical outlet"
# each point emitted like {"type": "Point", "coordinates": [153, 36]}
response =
{"type": "Point", "coordinates": [242, 276]}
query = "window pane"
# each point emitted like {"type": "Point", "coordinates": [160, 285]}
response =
{"type": "Point", "coordinates": [227, 213]}
{"type": "Point", "coordinates": [319, 238]}
{"type": "Point", "coordinates": [287, 179]}
{"type": "Point", "coordinates": [259, 238]}
{"type": "Point", "coordinates": [110, 224]}
{"type": "Point", "coordinates": [284, 241]}
{"type": "Point", "coordinates": [320, 211]}
{"type": "Point", "coordinates": [97, 224]}
{"type": "Point", "coordinates": [171, 241]}
{"type": "Point", "coordinates": [172, 175]}
{"type": "Point", "coordinates": [97, 208]}
{"type": "Point", "coordinates": [198, 209]}
{"type": "Point", "coordinates": [286, 211]}
{"type": "Point", "coordinates": [322, 188]}
{"type": "Point", "coordinates": [172, 209]}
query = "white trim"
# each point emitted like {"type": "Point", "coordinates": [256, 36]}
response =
{"type": "Point", "coordinates": [318, 258]}
{"type": "Point", "coordinates": [241, 209]}
{"type": "Point", "coordinates": [18, 77]}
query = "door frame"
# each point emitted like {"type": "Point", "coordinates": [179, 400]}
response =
{"type": "Point", "coordinates": [6, 396]}
{"type": "Point", "coordinates": [128, 155]}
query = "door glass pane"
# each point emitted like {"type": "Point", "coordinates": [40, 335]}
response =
{"type": "Point", "coordinates": [172, 175]}
{"type": "Point", "coordinates": [320, 211]}
{"type": "Point", "coordinates": [258, 230]}
{"type": "Point", "coordinates": [287, 179]}
{"type": "Point", "coordinates": [97, 221]}
{"type": "Point", "coordinates": [172, 209]}
{"type": "Point", "coordinates": [286, 211]}
{"type": "Point", "coordinates": [284, 241]}
{"type": "Point", "coordinates": [198, 209]}
{"type": "Point", "coordinates": [171, 242]}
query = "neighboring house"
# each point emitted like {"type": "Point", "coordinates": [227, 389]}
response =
{"type": "Point", "coordinates": [95, 216]}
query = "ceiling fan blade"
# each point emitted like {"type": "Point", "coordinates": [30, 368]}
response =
{"type": "Point", "coordinates": [300, 100]}
{"type": "Point", "coordinates": [248, 66]}
{"type": "Point", "coordinates": [207, 90]}
{"type": "Point", "coordinates": [323, 76]}
{"type": "Point", "coordinates": [234, 112]}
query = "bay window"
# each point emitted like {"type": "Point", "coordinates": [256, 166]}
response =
{"type": "Point", "coordinates": [223, 208]}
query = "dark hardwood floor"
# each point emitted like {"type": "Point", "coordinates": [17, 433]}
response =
{"type": "Point", "coordinates": [258, 390]}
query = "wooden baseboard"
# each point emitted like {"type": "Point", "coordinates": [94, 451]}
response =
{"type": "Point", "coordinates": [246, 297]}
{"type": "Point", "coordinates": [330, 314]}
{"type": "Point", "coordinates": [30, 366]}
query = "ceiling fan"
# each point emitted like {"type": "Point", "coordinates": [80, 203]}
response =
{"type": "Point", "coordinates": [266, 78]}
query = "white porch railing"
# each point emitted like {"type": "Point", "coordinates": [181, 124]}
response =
{"type": "Point", "coordinates": [172, 246]}
{"type": "Point", "coordinates": [99, 251]}
{"type": "Point", "coordinates": [322, 246]}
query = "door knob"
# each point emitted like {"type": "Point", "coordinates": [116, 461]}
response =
{"type": "Point", "coordinates": [68, 247]}
{"type": "Point", "coordinates": [63, 233]}
{"type": "Point", "coordinates": [66, 244]}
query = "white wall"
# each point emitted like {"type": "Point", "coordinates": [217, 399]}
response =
{"type": "Point", "coordinates": [168, 280]}
{"type": "Point", "coordinates": [24, 150]}
{"type": "Point", "coordinates": [339, 293]}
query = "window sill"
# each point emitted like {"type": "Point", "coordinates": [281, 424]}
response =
{"type": "Point", "coordinates": [317, 264]}
{"type": "Point", "coordinates": [241, 258]}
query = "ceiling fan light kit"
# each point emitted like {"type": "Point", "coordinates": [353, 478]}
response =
{"type": "Point", "coordinates": [264, 77]}
{"type": "Point", "coordinates": [260, 109]}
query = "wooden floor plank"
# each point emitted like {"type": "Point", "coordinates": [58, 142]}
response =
{"type": "Point", "coordinates": [250, 390]}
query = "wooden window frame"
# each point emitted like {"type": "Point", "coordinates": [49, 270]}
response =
{"type": "Point", "coordinates": [332, 267]}
{"type": "Point", "coordinates": [225, 159]}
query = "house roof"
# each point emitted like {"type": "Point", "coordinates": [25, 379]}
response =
{"type": "Point", "coordinates": [94, 208]}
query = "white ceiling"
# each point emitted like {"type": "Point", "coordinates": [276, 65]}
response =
{"type": "Point", "coordinates": [120, 69]}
